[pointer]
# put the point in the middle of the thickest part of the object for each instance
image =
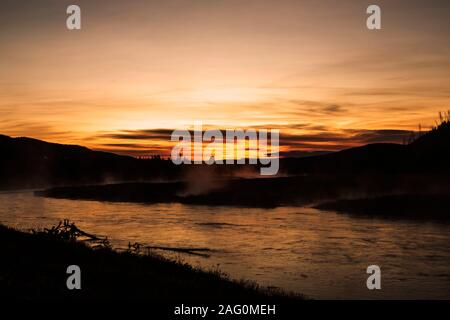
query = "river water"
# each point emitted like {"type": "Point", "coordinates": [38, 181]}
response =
{"type": "Point", "coordinates": [323, 255]}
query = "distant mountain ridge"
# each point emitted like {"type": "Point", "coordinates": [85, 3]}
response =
{"type": "Point", "coordinates": [430, 152]}
{"type": "Point", "coordinates": [32, 163]}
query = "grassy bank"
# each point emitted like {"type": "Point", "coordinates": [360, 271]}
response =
{"type": "Point", "coordinates": [34, 266]}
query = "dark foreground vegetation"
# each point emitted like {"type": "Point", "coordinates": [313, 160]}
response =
{"type": "Point", "coordinates": [33, 265]}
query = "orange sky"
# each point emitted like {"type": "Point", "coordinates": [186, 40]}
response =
{"type": "Point", "coordinates": [139, 69]}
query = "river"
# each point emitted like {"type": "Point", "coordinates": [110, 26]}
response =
{"type": "Point", "coordinates": [323, 255]}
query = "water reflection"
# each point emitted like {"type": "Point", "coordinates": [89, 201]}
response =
{"type": "Point", "coordinates": [321, 254]}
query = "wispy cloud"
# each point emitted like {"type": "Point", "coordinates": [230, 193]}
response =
{"type": "Point", "coordinates": [319, 138]}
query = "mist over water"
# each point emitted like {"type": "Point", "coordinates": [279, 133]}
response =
{"type": "Point", "coordinates": [320, 254]}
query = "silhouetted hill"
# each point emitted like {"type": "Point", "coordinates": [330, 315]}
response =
{"type": "Point", "coordinates": [428, 153]}
{"type": "Point", "coordinates": [365, 159]}
{"type": "Point", "coordinates": [432, 150]}
{"type": "Point", "coordinates": [31, 163]}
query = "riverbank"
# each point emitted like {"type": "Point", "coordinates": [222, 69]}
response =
{"type": "Point", "coordinates": [257, 193]}
{"type": "Point", "coordinates": [34, 267]}
{"type": "Point", "coordinates": [404, 206]}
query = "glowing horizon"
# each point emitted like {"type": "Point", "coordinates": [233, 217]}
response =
{"type": "Point", "coordinates": [139, 70]}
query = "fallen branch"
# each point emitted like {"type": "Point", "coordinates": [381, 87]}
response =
{"type": "Point", "coordinates": [194, 251]}
{"type": "Point", "coordinates": [67, 231]}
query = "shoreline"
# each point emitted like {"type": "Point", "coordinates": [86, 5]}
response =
{"type": "Point", "coordinates": [34, 266]}
{"type": "Point", "coordinates": [391, 197]}
{"type": "Point", "coordinates": [401, 206]}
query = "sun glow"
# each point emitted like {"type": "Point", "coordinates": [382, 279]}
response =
{"type": "Point", "coordinates": [318, 78]}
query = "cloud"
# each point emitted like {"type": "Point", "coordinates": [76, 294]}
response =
{"type": "Point", "coordinates": [377, 136]}
{"type": "Point", "coordinates": [133, 152]}
{"type": "Point", "coordinates": [145, 134]}
{"type": "Point", "coordinates": [334, 108]}
{"type": "Point", "coordinates": [49, 130]}
{"type": "Point", "coordinates": [292, 142]}
{"type": "Point", "coordinates": [342, 139]}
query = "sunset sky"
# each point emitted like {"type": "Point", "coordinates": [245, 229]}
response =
{"type": "Point", "coordinates": [139, 69]}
